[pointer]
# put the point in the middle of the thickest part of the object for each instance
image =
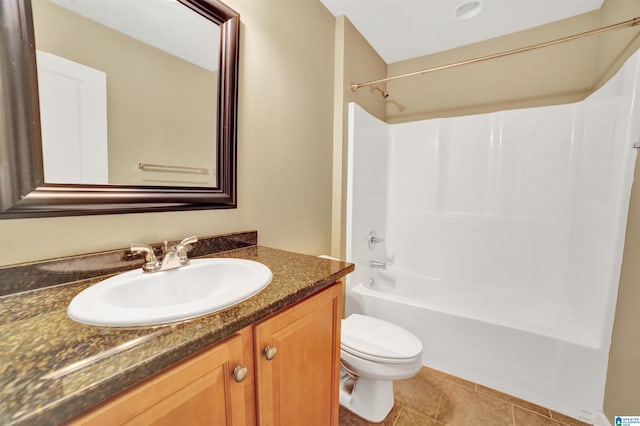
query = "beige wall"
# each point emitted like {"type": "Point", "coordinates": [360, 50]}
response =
{"type": "Point", "coordinates": [284, 150]}
{"type": "Point", "coordinates": [355, 59]}
{"type": "Point", "coordinates": [614, 48]}
{"type": "Point", "coordinates": [159, 107]}
{"type": "Point", "coordinates": [4, 153]}
{"type": "Point", "coordinates": [622, 393]}
{"type": "Point", "coordinates": [504, 83]}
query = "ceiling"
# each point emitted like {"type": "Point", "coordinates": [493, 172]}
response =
{"type": "Point", "coordinates": [404, 29]}
{"type": "Point", "coordinates": [165, 25]}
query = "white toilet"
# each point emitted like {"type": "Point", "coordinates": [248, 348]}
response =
{"type": "Point", "coordinates": [373, 353]}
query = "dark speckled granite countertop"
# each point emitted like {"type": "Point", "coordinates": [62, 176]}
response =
{"type": "Point", "coordinates": [52, 368]}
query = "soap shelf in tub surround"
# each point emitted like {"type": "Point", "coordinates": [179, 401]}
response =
{"type": "Point", "coordinates": [53, 368]}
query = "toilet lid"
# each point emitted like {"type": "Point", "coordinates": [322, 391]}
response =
{"type": "Point", "coordinates": [377, 338]}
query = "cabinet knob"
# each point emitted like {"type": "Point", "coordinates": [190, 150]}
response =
{"type": "Point", "coordinates": [270, 352]}
{"type": "Point", "coordinates": [240, 373]}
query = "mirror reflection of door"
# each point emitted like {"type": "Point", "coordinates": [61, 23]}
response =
{"type": "Point", "coordinates": [160, 63]}
{"type": "Point", "coordinates": [73, 107]}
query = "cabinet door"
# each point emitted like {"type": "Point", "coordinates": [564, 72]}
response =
{"type": "Point", "coordinates": [299, 386]}
{"type": "Point", "coordinates": [199, 391]}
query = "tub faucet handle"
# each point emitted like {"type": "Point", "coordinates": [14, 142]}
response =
{"type": "Point", "coordinates": [373, 239]}
{"type": "Point", "coordinates": [377, 264]}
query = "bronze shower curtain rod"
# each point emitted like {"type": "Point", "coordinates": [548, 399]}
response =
{"type": "Point", "coordinates": [614, 27]}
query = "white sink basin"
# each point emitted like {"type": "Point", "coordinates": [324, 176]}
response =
{"type": "Point", "coordinates": [150, 298]}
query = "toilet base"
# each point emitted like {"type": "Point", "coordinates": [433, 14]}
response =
{"type": "Point", "coordinates": [370, 399]}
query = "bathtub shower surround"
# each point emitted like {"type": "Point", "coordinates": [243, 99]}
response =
{"type": "Point", "coordinates": [367, 191]}
{"type": "Point", "coordinates": [504, 235]}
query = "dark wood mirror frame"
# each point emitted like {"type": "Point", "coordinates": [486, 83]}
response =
{"type": "Point", "coordinates": [23, 192]}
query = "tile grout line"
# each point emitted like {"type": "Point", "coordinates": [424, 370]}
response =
{"type": "Point", "coordinates": [517, 405]}
{"type": "Point", "coordinates": [476, 386]}
{"type": "Point", "coordinates": [399, 415]}
{"type": "Point", "coordinates": [437, 413]}
{"type": "Point", "coordinates": [549, 417]}
{"type": "Point", "coordinates": [513, 414]}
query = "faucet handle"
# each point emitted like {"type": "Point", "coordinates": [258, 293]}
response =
{"type": "Point", "coordinates": [373, 239]}
{"type": "Point", "coordinates": [151, 262]}
{"type": "Point", "coordinates": [181, 248]}
{"type": "Point", "coordinates": [189, 240]}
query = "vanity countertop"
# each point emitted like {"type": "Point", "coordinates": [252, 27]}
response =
{"type": "Point", "coordinates": [52, 368]}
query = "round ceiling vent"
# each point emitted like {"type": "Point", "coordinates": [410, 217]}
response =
{"type": "Point", "coordinates": [468, 9]}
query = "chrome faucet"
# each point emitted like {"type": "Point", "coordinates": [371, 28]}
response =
{"type": "Point", "coordinates": [151, 262]}
{"type": "Point", "coordinates": [174, 257]}
{"type": "Point", "coordinates": [373, 239]}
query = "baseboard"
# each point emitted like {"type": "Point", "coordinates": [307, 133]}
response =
{"type": "Point", "coordinates": [600, 419]}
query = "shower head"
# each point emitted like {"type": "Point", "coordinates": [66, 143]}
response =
{"type": "Point", "coordinates": [384, 93]}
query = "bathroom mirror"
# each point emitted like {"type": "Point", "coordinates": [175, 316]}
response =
{"type": "Point", "coordinates": [143, 119]}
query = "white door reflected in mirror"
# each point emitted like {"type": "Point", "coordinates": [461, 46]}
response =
{"type": "Point", "coordinates": [73, 106]}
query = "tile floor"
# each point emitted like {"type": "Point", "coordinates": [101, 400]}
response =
{"type": "Point", "coordinates": [433, 398]}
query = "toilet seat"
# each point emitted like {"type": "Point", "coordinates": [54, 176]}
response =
{"type": "Point", "coordinates": [377, 340]}
{"type": "Point", "coordinates": [378, 359]}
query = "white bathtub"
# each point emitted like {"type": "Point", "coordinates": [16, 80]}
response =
{"type": "Point", "coordinates": [527, 347]}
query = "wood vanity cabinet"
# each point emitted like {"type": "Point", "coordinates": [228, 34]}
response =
{"type": "Point", "coordinates": [199, 391]}
{"type": "Point", "coordinates": [293, 361]}
{"type": "Point", "coordinates": [299, 385]}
